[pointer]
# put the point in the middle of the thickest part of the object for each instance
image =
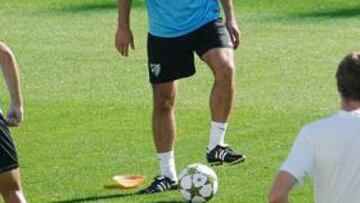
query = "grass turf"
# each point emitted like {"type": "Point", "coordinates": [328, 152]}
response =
{"type": "Point", "coordinates": [88, 109]}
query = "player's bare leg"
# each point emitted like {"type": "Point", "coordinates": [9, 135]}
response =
{"type": "Point", "coordinates": [221, 62]}
{"type": "Point", "coordinates": [164, 134]}
{"type": "Point", "coordinates": [10, 187]}
{"type": "Point", "coordinates": [163, 116]}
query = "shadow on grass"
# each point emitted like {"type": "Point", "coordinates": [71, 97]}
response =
{"type": "Point", "coordinates": [96, 198]}
{"type": "Point", "coordinates": [340, 13]}
{"type": "Point", "coordinates": [97, 6]}
{"type": "Point", "coordinates": [108, 197]}
{"type": "Point", "coordinates": [171, 201]}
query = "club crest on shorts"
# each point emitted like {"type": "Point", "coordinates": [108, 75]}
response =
{"type": "Point", "coordinates": [155, 69]}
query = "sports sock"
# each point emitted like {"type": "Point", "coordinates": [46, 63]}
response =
{"type": "Point", "coordinates": [167, 165]}
{"type": "Point", "coordinates": [217, 134]}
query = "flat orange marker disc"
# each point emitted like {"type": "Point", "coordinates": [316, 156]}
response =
{"type": "Point", "coordinates": [128, 181]}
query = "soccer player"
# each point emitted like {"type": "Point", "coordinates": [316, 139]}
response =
{"type": "Point", "coordinates": [327, 149]}
{"type": "Point", "coordinates": [10, 186]}
{"type": "Point", "coordinates": [177, 29]}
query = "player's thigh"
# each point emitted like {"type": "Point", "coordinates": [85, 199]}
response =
{"type": "Point", "coordinates": [220, 59]}
{"type": "Point", "coordinates": [214, 46]}
{"type": "Point", "coordinates": [10, 181]}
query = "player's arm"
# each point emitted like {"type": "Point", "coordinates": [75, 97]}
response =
{"type": "Point", "coordinates": [300, 163]}
{"type": "Point", "coordinates": [283, 184]}
{"type": "Point", "coordinates": [124, 37]}
{"type": "Point", "coordinates": [11, 74]}
{"type": "Point", "coordinates": [231, 23]}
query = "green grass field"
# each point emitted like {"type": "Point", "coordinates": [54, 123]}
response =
{"type": "Point", "coordinates": [88, 109]}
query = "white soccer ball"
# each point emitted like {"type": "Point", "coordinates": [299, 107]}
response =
{"type": "Point", "coordinates": [198, 183]}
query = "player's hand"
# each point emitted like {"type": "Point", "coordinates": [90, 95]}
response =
{"type": "Point", "coordinates": [124, 38]}
{"type": "Point", "coordinates": [234, 32]}
{"type": "Point", "coordinates": [15, 115]}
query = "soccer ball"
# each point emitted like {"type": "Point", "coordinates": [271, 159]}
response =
{"type": "Point", "coordinates": [198, 183]}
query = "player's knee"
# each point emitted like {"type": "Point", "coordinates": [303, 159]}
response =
{"type": "Point", "coordinates": [225, 72]}
{"type": "Point", "coordinates": [164, 103]}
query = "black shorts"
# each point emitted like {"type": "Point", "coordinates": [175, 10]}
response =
{"type": "Point", "coordinates": [173, 58]}
{"type": "Point", "coordinates": [8, 156]}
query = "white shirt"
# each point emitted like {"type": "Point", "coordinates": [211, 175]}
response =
{"type": "Point", "coordinates": [329, 151]}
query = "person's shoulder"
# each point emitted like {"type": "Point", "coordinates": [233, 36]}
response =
{"type": "Point", "coordinates": [323, 124]}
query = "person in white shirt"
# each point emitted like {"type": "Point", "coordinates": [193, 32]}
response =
{"type": "Point", "coordinates": [10, 186]}
{"type": "Point", "coordinates": [327, 150]}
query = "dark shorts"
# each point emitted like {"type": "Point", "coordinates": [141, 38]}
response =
{"type": "Point", "coordinates": [8, 156]}
{"type": "Point", "coordinates": [173, 58]}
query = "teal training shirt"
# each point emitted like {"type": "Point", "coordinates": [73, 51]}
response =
{"type": "Point", "coordinates": [173, 18]}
